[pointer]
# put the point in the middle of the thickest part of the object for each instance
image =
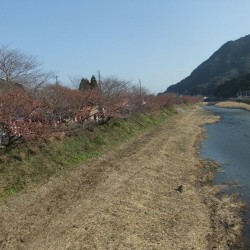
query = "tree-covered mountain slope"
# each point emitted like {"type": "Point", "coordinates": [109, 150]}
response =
{"type": "Point", "coordinates": [230, 61]}
{"type": "Point", "coordinates": [239, 85]}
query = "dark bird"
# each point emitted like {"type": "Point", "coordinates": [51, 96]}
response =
{"type": "Point", "coordinates": [179, 189]}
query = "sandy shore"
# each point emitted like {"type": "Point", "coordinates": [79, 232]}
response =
{"type": "Point", "coordinates": [238, 105]}
{"type": "Point", "coordinates": [129, 199]}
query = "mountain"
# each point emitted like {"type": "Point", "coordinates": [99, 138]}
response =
{"type": "Point", "coordinates": [230, 61]}
{"type": "Point", "coordinates": [233, 87]}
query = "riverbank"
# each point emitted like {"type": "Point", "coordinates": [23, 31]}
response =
{"type": "Point", "coordinates": [238, 105]}
{"type": "Point", "coordinates": [35, 162]}
{"type": "Point", "coordinates": [129, 198]}
{"type": "Point", "coordinates": [232, 153]}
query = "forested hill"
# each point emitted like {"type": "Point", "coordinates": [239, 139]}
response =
{"type": "Point", "coordinates": [233, 87]}
{"type": "Point", "coordinates": [230, 61]}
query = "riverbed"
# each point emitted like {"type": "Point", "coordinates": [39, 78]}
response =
{"type": "Point", "coordinates": [228, 144]}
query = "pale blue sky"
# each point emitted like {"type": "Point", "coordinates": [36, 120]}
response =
{"type": "Point", "coordinates": [157, 41]}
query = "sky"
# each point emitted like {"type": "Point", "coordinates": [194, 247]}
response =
{"type": "Point", "coordinates": [159, 42]}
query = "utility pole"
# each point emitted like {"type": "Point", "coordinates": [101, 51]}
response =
{"type": "Point", "coordinates": [99, 80]}
{"type": "Point", "coordinates": [140, 104]}
{"type": "Point", "coordinates": [140, 86]}
{"type": "Point", "coordinates": [56, 79]}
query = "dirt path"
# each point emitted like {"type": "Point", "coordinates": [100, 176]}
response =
{"type": "Point", "coordinates": [125, 200]}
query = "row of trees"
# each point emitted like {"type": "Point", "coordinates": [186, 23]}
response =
{"type": "Point", "coordinates": [31, 107]}
{"type": "Point", "coordinates": [86, 84]}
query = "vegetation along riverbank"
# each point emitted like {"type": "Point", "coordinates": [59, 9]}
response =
{"type": "Point", "coordinates": [36, 161]}
{"type": "Point", "coordinates": [230, 104]}
{"type": "Point", "coordinates": [150, 192]}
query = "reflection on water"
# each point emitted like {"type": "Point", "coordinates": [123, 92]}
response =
{"type": "Point", "coordinates": [229, 143]}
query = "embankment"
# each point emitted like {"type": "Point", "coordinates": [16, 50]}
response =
{"type": "Point", "coordinates": [129, 199]}
{"type": "Point", "coordinates": [35, 162]}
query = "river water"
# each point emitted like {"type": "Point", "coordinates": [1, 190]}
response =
{"type": "Point", "coordinates": [229, 144]}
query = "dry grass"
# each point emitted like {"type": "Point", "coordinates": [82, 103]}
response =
{"type": "Point", "coordinates": [127, 199]}
{"type": "Point", "coordinates": [238, 105]}
{"type": "Point", "coordinates": [37, 161]}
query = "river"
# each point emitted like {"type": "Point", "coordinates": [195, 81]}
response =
{"type": "Point", "coordinates": [229, 144]}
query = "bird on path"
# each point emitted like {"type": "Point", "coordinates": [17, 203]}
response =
{"type": "Point", "coordinates": [179, 189]}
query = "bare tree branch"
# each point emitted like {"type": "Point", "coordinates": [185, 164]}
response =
{"type": "Point", "coordinates": [18, 68]}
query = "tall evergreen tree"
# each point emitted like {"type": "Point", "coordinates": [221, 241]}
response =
{"type": "Point", "coordinates": [93, 82]}
{"type": "Point", "coordinates": [84, 84]}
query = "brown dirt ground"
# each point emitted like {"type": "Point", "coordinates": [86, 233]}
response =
{"type": "Point", "coordinates": [127, 199]}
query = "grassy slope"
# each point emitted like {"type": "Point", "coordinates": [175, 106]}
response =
{"type": "Point", "coordinates": [36, 163]}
